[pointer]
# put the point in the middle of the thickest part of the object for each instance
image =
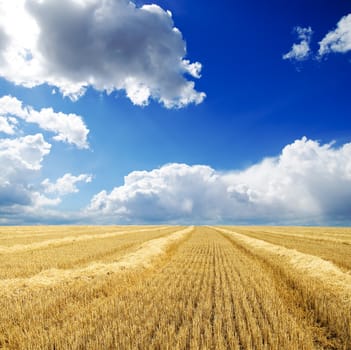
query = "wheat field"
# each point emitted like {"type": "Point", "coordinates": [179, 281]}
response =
{"type": "Point", "coordinates": [175, 287]}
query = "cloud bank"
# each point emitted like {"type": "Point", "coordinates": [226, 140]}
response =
{"type": "Point", "coordinates": [107, 44]}
{"type": "Point", "coordinates": [308, 183]}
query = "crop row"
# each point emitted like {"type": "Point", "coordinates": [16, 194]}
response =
{"type": "Point", "coordinates": [208, 288]}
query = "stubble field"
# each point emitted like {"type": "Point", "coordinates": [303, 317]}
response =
{"type": "Point", "coordinates": [172, 287]}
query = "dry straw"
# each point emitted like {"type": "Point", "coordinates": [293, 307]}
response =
{"type": "Point", "coordinates": [69, 239]}
{"type": "Point", "coordinates": [307, 264]}
{"type": "Point", "coordinates": [142, 257]}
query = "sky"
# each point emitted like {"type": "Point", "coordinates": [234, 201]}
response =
{"type": "Point", "coordinates": [175, 112]}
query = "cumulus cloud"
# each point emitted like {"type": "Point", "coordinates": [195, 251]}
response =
{"type": "Point", "coordinates": [175, 191]}
{"type": "Point", "coordinates": [19, 159]}
{"type": "Point", "coordinates": [39, 200]}
{"type": "Point", "coordinates": [338, 40]}
{"type": "Point", "coordinates": [300, 51]}
{"type": "Point", "coordinates": [22, 153]}
{"type": "Point", "coordinates": [3, 41]}
{"type": "Point", "coordinates": [65, 184]}
{"type": "Point", "coordinates": [8, 125]}
{"type": "Point", "coordinates": [308, 182]}
{"type": "Point", "coordinates": [107, 44]}
{"type": "Point", "coordinates": [68, 128]}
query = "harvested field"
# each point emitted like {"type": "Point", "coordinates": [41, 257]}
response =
{"type": "Point", "coordinates": [176, 288]}
{"type": "Point", "coordinates": [332, 244]}
{"type": "Point", "coordinates": [20, 239]}
{"type": "Point", "coordinates": [72, 251]}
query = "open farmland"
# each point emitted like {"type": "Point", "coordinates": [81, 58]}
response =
{"type": "Point", "coordinates": [175, 287]}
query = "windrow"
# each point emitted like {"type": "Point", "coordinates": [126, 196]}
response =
{"type": "Point", "coordinates": [307, 264]}
{"type": "Point", "coordinates": [141, 258]}
{"type": "Point", "coordinates": [324, 289]}
{"type": "Point", "coordinates": [67, 240]}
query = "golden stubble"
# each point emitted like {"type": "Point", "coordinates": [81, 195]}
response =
{"type": "Point", "coordinates": [180, 288]}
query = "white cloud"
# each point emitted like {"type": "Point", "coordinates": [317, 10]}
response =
{"type": "Point", "coordinates": [8, 125]}
{"type": "Point", "coordinates": [3, 41]}
{"type": "Point", "coordinates": [307, 183]}
{"type": "Point", "coordinates": [68, 128]}
{"type": "Point", "coordinates": [300, 51]}
{"type": "Point", "coordinates": [172, 192]}
{"type": "Point", "coordinates": [338, 40]}
{"type": "Point", "coordinates": [22, 153]}
{"type": "Point", "coordinates": [20, 158]}
{"type": "Point", "coordinates": [109, 45]}
{"type": "Point", "coordinates": [65, 184]}
{"type": "Point", "coordinates": [39, 201]}
{"type": "Point", "coordinates": [21, 161]}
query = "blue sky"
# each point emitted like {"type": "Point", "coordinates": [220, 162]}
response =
{"type": "Point", "coordinates": [121, 112]}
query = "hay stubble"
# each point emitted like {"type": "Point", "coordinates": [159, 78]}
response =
{"type": "Point", "coordinates": [181, 288]}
